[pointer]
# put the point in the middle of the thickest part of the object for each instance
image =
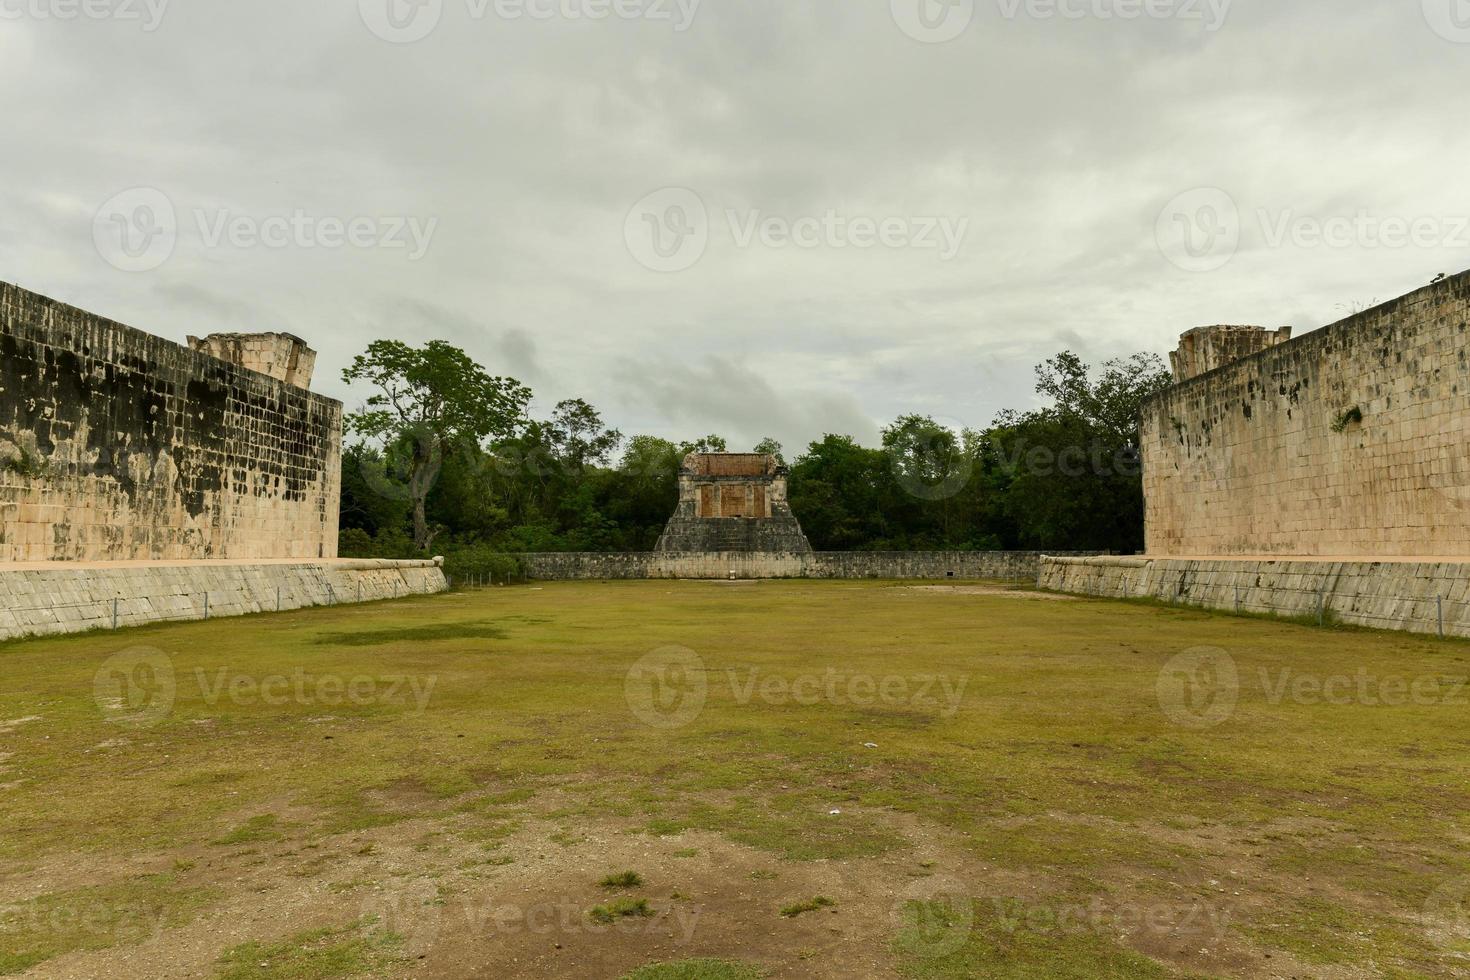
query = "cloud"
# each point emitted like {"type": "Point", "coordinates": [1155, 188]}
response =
{"type": "Point", "coordinates": [529, 141]}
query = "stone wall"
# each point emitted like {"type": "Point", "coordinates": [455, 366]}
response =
{"type": "Point", "coordinates": [117, 445]}
{"type": "Point", "coordinates": [823, 565]}
{"type": "Point", "coordinates": [1347, 441]}
{"type": "Point", "coordinates": [1204, 349]}
{"type": "Point", "coordinates": [1403, 595]}
{"type": "Point", "coordinates": [279, 355]}
{"type": "Point", "coordinates": [57, 598]}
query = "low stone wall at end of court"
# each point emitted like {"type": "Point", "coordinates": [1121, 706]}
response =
{"type": "Point", "coordinates": [61, 597]}
{"type": "Point", "coordinates": [1017, 565]}
{"type": "Point", "coordinates": [1416, 597]}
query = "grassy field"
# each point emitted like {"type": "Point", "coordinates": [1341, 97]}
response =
{"type": "Point", "coordinates": [732, 780]}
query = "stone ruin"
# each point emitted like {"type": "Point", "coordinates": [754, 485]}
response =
{"type": "Point", "coordinates": [733, 503]}
{"type": "Point", "coordinates": [1204, 349]}
{"type": "Point", "coordinates": [282, 356]}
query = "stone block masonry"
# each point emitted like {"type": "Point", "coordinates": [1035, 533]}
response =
{"type": "Point", "coordinates": [116, 445]}
{"type": "Point", "coordinates": [926, 565]}
{"type": "Point", "coordinates": [1353, 440]}
{"type": "Point", "coordinates": [732, 502]}
{"type": "Point", "coordinates": [1396, 595]}
{"type": "Point", "coordinates": [52, 598]}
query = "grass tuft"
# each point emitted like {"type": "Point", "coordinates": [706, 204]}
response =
{"type": "Point", "coordinates": [620, 908]}
{"type": "Point", "coordinates": [820, 902]}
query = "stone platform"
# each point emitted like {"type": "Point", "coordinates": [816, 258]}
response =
{"type": "Point", "coordinates": [1416, 595]}
{"type": "Point", "coordinates": [47, 598]}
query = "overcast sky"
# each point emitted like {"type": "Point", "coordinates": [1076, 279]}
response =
{"type": "Point", "coordinates": [749, 217]}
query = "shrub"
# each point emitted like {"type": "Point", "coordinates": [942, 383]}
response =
{"type": "Point", "coordinates": [483, 563]}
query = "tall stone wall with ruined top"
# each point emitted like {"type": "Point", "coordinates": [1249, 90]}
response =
{"type": "Point", "coordinates": [1349, 441]}
{"type": "Point", "coordinates": [118, 445]}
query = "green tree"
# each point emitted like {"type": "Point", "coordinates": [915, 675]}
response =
{"type": "Point", "coordinates": [770, 447]}
{"type": "Point", "coordinates": [437, 398]}
{"type": "Point", "coordinates": [707, 444]}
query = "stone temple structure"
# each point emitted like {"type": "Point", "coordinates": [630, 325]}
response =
{"type": "Point", "coordinates": [733, 503]}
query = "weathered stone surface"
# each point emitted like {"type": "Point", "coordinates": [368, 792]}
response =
{"type": "Point", "coordinates": [117, 445]}
{"type": "Point", "coordinates": [732, 502]}
{"type": "Point", "coordinates": [1205, 349]}
{"type": "Point", "coordinates": [770, 565]}
{"type": "Point", "coordinates": [279, 355]}
{"type": "Point", "coordinates": [1349, 441]}
{"type": "Point", "coordinates": [1398, 595]}
{"type": "Point", "coordinates": [72, 598]}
